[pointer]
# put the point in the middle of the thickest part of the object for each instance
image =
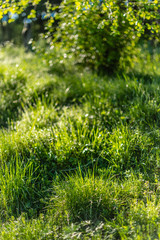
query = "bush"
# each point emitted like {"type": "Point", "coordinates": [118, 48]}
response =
{"type": "Point", "coordinates": [102, 34]}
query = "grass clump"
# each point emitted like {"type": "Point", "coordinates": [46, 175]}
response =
{"type": "Point", "coordinates": [18, 190]}
{"type": "Point", "coordinates": [130, 149]}
{"type": "Point", "coordinates": [90, 198]}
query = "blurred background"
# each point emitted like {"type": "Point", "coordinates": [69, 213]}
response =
{"type": "Point", "coordinates": [15, 27]}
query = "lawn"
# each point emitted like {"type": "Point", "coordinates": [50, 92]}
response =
{"type": "Point", "coordinates": [79, 152]}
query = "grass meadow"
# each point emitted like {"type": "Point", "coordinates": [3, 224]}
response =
{"type": "Point", "coordinates": [79, 152]}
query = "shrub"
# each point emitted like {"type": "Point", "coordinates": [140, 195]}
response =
{"type": "Point", "coordinates": [102, 33]}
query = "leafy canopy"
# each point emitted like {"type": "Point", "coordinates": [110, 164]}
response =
{"type": "Point", "coordinates": [17, 7]}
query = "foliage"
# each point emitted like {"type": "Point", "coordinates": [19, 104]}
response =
{"type": "Point", "coordinates": [102, 34]}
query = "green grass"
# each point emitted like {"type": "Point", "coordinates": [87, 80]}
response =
{"type": "Point", "coordinates": [79, 153]}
